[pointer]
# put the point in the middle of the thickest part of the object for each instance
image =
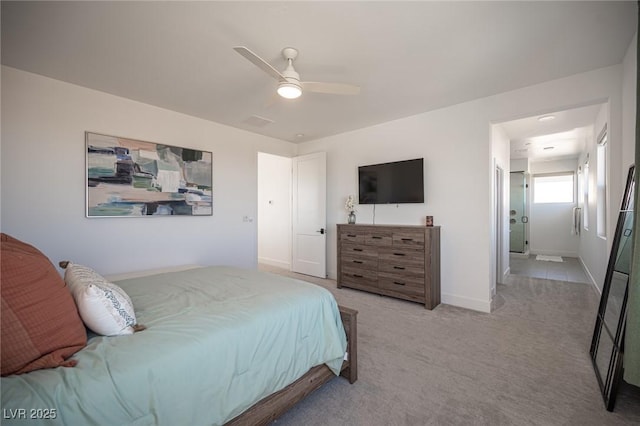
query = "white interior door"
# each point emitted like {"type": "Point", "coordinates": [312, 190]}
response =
{"type": "Point", "coordinates": [309, 250]}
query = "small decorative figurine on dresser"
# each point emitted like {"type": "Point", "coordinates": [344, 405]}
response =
{"type": "Point", "coordinates": [351, 208]}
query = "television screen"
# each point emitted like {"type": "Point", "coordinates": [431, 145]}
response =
{"type": "Point", "coordinates": [392, 183]}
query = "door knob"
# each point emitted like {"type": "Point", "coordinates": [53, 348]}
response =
{"type": "Point", "coordinates": [321, 231]}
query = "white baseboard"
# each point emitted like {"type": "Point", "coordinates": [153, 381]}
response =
{"type": "Point", "coordinates": [593, 281]}
{"type": "Point", "coordinates": [467, 303]}
{"type": "Point", "coordinates": [275, 262]}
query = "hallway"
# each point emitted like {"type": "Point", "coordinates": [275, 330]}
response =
{"type": "Point", "coordinates": [570, 269]}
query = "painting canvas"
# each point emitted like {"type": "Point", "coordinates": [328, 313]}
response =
{"type": "Point", "coordinates": [127, 177]}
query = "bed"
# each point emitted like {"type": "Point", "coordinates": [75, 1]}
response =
{"type": "Point", "coordinates": [222, 345]}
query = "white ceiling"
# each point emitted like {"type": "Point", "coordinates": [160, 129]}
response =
{"type": "Point", "coordinates": [408, 57]}
{"type": "Point", "coordinates": [562, 136]}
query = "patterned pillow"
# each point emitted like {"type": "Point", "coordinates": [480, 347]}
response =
{"type": "Point", "coordinates": [41, 327]}
{"type": "Point", "coordinates": [104, 307]}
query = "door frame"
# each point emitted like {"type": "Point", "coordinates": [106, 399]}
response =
{"type": "Point", "coordinates": [500, 225]}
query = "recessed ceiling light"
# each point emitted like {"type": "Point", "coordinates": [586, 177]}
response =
{"type": "Point", "coordinates": [299, 135]}
{"type": "Point", "coordinates": [546, 118]}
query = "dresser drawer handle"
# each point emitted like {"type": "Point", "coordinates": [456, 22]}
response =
{"type": "Point", "coordinates": [399, 254]}
{"type": "Point", "coordinates": [398, 283]}
{"type": "Point", "coordinates": [357, 249]}
{"type": "Point", "coordinates": [351, 235]}
{"type": "Point", "coordinates": [358, 276]}
{"type": "Point", "coordinates": [407, 239]}
{"type": "Point", "coordinates": [376, 237]}
{"type": "Point", "coordinates": [402, 268]}
{"type": "Point", "coordinates": [358, 261]}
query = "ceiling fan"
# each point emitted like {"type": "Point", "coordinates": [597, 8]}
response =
{"type": "Point", "coordinates": [290, 86]}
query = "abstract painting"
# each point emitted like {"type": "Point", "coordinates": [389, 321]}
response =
{"type": "Point", "coordinates": [127, 177]}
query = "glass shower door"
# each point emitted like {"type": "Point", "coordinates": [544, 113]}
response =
{"type": "Point", "coordinates": [517, 218]}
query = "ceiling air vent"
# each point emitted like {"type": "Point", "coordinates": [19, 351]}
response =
{"type": "Point", "coordinates": [257, 121]}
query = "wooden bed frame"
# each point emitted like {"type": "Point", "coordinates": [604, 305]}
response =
{"type": "Point", "coordinates": [273, 406]}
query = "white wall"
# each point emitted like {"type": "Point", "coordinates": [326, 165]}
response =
{"type": "Point", "coordinates": [629, 88]}
{"type": "Point", "coordinates": [274, 210]}
{"type": "Point", "coordinates": [592, 249]}
{"type": "Point", "coordinates": [456, 145]}
{"type": "Point", "coordinates": [551, 223]}
{"type": "Point", "coordinates": [457, 189]}
{"type": "Point", "coordinates": [43, 179]}
{"type": "Point", "coordinates": [43, 128]}
{"type": "Point", "coordinates": [520, 165]}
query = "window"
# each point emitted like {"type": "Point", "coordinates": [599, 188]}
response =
{"type": "Point", "coordinates": [585, 195]}
{"type": "Point", "coordinates": [601, 184]}
{"type": "Point", "coordinates": [553, 188]}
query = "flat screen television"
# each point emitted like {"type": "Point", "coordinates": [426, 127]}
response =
{"type": "Point", "coordinates": [398, 182]}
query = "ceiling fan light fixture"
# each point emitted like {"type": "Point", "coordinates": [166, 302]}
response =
{"type": "Point", "coordinates": [289, 84]}
{"type": "Point", "coordinates": [289, 90]}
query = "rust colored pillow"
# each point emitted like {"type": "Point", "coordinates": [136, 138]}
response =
{"type": "Point", "coordinates": [41, 327]}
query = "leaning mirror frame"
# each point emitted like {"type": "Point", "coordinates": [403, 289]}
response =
{"type": "Point", "coordinates": [607, 345]}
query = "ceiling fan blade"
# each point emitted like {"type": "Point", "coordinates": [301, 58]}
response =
{"type": "Point", "coordinates": [259, 62]}
{"type": "Point", "coordinates": [330, 88]}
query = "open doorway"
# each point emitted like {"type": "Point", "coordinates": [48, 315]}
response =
{"type": "Point", "coordinates": [274, 210]}
{"type": "Point", "coordinates": [292, 213]}
{"type": "Point", "coordinates": [548, 150]}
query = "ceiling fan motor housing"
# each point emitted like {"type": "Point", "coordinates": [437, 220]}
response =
{"type": "Point", "coordinates": [291, 77]}
{"type": "Point", "coordinates": [290, 74]}
{"type": "Point", "coordinates": [290, 53]}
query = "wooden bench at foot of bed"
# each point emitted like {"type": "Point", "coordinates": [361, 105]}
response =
{"type": "Point", "coordinates": [270, 408]}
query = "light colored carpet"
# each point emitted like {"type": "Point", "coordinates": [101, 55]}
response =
{"type": "Point", "coordinates": [549, 258]}
{"type": "Point", "coordinates": [527, 363]}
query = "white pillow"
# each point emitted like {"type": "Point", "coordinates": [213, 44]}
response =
{"type": "Point", "coordinates": [103, 306]}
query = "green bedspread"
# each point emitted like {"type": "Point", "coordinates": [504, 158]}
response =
{"type": "Point", "coordinates": [218, 340]}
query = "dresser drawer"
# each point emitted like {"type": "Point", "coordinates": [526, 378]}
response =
{"type": "Point", "coordinates": [360, 273]}
{"type": "Point", "coordinates": [379, 239]}
{"type": "Point", "coordinates": [360, 279]}
{"type": "Point", "coordinates": [401, 284]}
{"type": "Point", "coordinates": [400, 269]}
{"type": "Point", "coordinates": [358, 250]}
{"type": "Point", "coordinates": [353, 237]}
{"type": "Point", "coordinates": [408, 238]}
{"type": "Point", "coordinates": [401, 256]}
{"type": "Point", "coordinates": [389, 288]}
{"type": "Point", "coordinates": [358, 261]}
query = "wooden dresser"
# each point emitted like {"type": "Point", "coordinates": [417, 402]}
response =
{"type": "Point", "coordinates": [393, 260]}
